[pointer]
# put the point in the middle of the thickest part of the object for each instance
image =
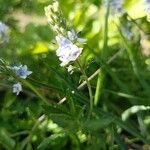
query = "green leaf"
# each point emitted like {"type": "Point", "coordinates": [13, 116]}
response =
{"type": "Point", "coordinates": [6, 140]}
{"type": "Point", "coordinates": [56, 141]}
{"type": "Point", "coordinates": [120, 142]}
{"type": "Point", "coordinates": [56, 109]}
{"type": "Point", "coordinates": [21, 145]}
{"type": "Point", "coordinates": [132, 6]}
{"type": "Point", "coordinates": [128, 127]}
{"type": "Point", "coordinates": [61, 117]}
{"type": "Point", "coordinates": [70, 85]}
{"type": "Point", "coordinates": [29, 147]}
{"type": "Point", "coordinates": [124, 125]}
{"type": "Point", "coordinates": [62, 78]}
{"type": "Point", "coordinates": [100, 123]}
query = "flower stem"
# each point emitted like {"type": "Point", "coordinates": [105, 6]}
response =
{"type": "Point", "coordinates": [89, 88]}
{"type": "Point", "coordinates": [35, 91]}
{"type": "Point", "coordinates": [101, 76]}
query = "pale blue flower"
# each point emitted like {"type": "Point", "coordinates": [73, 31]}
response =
{"type": "Point", "coordinates": [22, 71]}
{"type": "Point", "coordinates": [74, 37]}
{"type": "Point", "coordinates": [17, 88]}
{"type": "Point", "coordinates": [62, 41]}
{"type": "Point", "coordinates": [67, 51]}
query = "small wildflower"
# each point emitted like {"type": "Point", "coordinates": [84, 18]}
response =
{"type": "Point", "coordinates": [3, 33]}
{"type": "Point", "coordinates": [116, 7]}
{"type": "Point", "coordinates": [74, 37]}
{"type": "Point", "coordinates": [22, 71]}
{"type": "Point", "coordinates": [67, 51]}
{"type": "Point", "coordinates": [62, 41]}
{"type": "Point", "coordinates": [17, 88]}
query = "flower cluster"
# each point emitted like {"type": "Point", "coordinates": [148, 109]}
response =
{"type": "Point", "coordinates": [55, 18]}
{"type": "Point", "coordinates": [116, 6]}
{"type": "Point", "coordinates": [3, 33]}
{"type": "Point", "coordinates": [67, 50]}
{"type": "Point", "coordinates": [21, 72]}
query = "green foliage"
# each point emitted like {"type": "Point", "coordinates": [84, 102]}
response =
{"type": "Point", "coordinates": [39, 117]}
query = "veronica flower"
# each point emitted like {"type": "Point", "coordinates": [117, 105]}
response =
{"type": "Point", "coordinates": [67, 51]}
{"type": "Point", "coordinates": [74, 37]}
{"type": "Point", "coordinates": [116, 6]}
{"type": "Point", "coordinates": [147, 6]}
{"type": "Point", "coordinates": [22, 71]}
{"type": "Point", "coordinates": [3, 33]}
{"type": "Point", "coordinates": [17, 88]}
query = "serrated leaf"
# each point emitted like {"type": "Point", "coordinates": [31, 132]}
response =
{"type": "Point", "coordinates": [55, 141]}
{"type": "Point", "coordinates": [57, 109]}
{"type": "Point", "coordinates": [97, 124]}
{"type": "Point", "coordinates": [120, 142]}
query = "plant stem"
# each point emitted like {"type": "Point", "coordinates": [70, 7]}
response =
{"type": "Point", "coordinates": [101, 77]}
{"type": "Point", "coordinates": [98, 71]}
{"type": "Point", "coordinates": [10, 72]}
{"type": "Point", "coordinates": [28, 138]}
{"type": "Point", "coordinates": [89, 88]}
{"type": "Point", "coordinates": [35, 91]}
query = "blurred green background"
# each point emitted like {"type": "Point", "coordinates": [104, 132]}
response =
{"type": "Point", "coordinates": [126, 84]}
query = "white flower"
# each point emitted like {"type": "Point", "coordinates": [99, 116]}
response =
{"type": "Point", "coordinates": [17, 88]}
{"type": "Point", "coordinates": [21, 71]}
{"type": "Point", "coordinates": [62, 41]}
{"type": "Point", "coordinates": [67, 51]}
{"type": "Point", "coordinates": [3, 32]}
{"type": "Point", "coordinates": [74, 37]}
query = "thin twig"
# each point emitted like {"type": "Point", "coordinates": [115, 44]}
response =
{"type": "Point", "coordinates": [89, 88]}
{"type": "Point", "coordinates": [28, 138]}
{"type": "Point", "coordinates": [20, 133]}
{"type": "Point", "coordinates": [82, 85]}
